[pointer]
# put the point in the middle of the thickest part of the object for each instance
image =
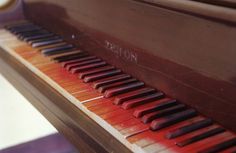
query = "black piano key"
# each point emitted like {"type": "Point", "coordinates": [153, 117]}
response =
{"type": "Point", "coordinates": [162, 113]}
{"type": "Point", "coordinates": [98, 70]}
{"type": "Point", "coordinates": [58, 49]}
{"type": "Point", "coordinates": [33, 33]}
{"type": "Point", "coordinates": [17, 25]}
{"type": "Point", "coordinates": [87, 58]}
{"type": "Point", "coordinates": [219, 147]}
{"type": "Point", "coordinates": [70, 57]}
{"type": "Point", "coordinates": [142, 100]}
{"type": "Point", "coordinates": [44, 39]}
{"type": "Point", "coordinates": [48, 41]}
{"type": "Point", "coordinates": [102, 89]}
{"type": "Point", "coordinates": [102, 75]}
{"type": "Point", "coordinates": [110, 80]}
{"type": "Point", "coordinates": [172, 119]}
{"type": "Point", "coordinates": [22, 28]}
{"type": "Point", "coordinates": [189, 128]}
{"type": "Point", "coordinates": [38, 36]}
{"type": "Point", "coordinates": [26, 30]}
{"type": "Point", "coordinates": [123, 89]}
{"type": "Point", "coordinates": [147, 110]}
{"type": "Point", "coordinates": [200, 137]}
{"type": "Point", "coordinates": [134, 94]}
{"type": "Point", "coordinates": [87, 67]}
{"type": "Point", "coordinates": [69, 67]}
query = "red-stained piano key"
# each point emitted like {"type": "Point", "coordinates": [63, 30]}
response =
{"type": "Point", "coordinates": [103, 108]}
{"type": "Point", "coordinates": [188, 128]}
{"type": "Point", "coordinates": [126, 124]}
{"type": "Point", "coordinates": [82, 59]}
{"type": "Point", "coordinates": [85, 98]}
{"type": "Point", "coordinates": [95, 71]}
{"type": "Point", "coordinates": [142, 100]}
{"type": "Point", "coordinates": [150, 137]}
{"type": "Point", "coordinates": [97, 102]}
{"type": "Point", "coordinates": [88, 67]}
{"type": "Point", "coordinates": [102, 89]}
{"type": "Point", "coordinates": [101, 75]}
{"type": "Point", "coordinates": [113, 79]}
{"type": "Point", "coordinates": [163, 103]}
{"type": "Point", "coordinates": [133, 94]}
{"type": "Point", "coordinates": [76, 88]}
{"type": "Point", "coordinates": [123, 89]}
{"type": "Point", "coordinates": [120, 118]}
{"type": "Point", "coordinates": [172, 119]}
{"type": "Point", "coordinates": [79, 64]}
{"type": "Point", "coordinates": [133, 130]}
{"type": "Point", "coordinates": [203, 144]}
{"type": "Point", "coordinates": [162, 113]}
{"type": "Point", "coordinates": [115, 113]}
{"type": "Point", "coordinates": [199, 136]}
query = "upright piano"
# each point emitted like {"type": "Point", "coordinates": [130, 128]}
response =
{"type": "Point", "coordinates": [121, 76]}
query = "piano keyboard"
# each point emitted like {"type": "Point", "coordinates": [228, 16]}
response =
{"type": "Point", "coordinates": [141, 117]}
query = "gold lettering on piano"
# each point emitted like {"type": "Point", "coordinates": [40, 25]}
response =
{"type": "Point", "coordinates": [124, 53]}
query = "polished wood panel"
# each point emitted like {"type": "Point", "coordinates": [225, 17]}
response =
{"type": "Point", "coordinates": [188, 56]}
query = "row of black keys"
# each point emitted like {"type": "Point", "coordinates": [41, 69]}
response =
{"type": "Point", "coordinates": [129, 91]}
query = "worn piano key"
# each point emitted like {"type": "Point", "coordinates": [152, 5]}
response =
{"type": "Point", "coordinates": [150, 109]}
{"type": "Point", "coordinates": [189, 128]}
{"type": "Point", "coordinates": [122, 89]}
{"type": "Point", "coordinates": [200, 137]}
{"type": "Point", "coordinates": [172, 119]}
{"type": "Point", "coordinates": [82, 63]}
{"type": "Point", "coordinates": [119, 118]}
{"type": "Point", "coordinates": [69, 52]}
{"type": "Point", "coordinates": [171, 143]}
{"type": "Point", "coordinates": [142, 100]}
{"type": "Point", "coordinates": [162, 112]}
{"type": "Point", "coordinates": [133, 130]}
{"type": "Point", "coordinates": [95, 71]}
{"type": "Point", "coordinates": [70, 57]}
{"type": "Point", "coordinates": [32, 34]}
{"type": "Point", "coordinates": [87, 67]}
{"type": "Point", "coordinates": [39, 36]}
{"type": "Point", "coordinates": [126, 124]}
{"type": "Point", "coordinates": [116, 84]}
{"type": "Point", "coordinates": [58, 49]}
{"type": "Point", "coordinates": [157, 137]}
{"type": "Point", "coordinates": [101, 75]}
{"type": "Point", "coordinates": [87, 58]}
{"type": "Point", "coordinates": [47, 41]}
{"type": "Point", "coordinates": [18, 25]}
{"type": "Point", "coordinates": [113, 79]}
{"type": "Point", "coordinates": [26, 30]}
{"type": "Point", "coordinates": [219, 147]}
{"type": "Point", "coordinates": [134, 94]}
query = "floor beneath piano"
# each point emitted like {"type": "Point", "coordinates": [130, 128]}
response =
{"type": "Point", "coordinates": [23, 129]}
